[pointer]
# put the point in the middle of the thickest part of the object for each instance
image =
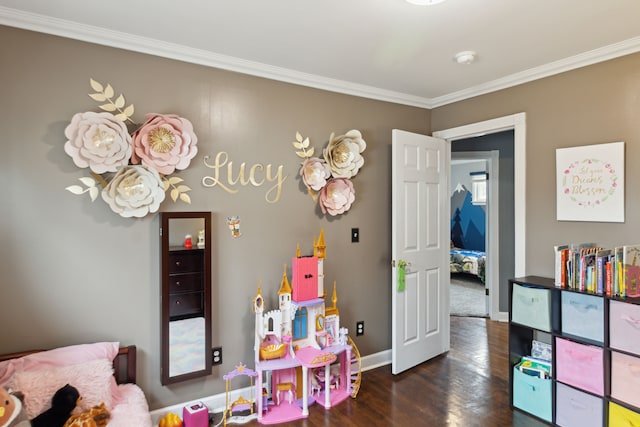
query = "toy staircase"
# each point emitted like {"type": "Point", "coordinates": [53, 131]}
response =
{"type": "Point", "coordinates": [356, 373]}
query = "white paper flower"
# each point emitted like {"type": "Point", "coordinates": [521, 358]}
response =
{"type": "Point", "coordinates": [98, 141]}
{"type": "Point", "coordinates": [134, 191]}
{"type": "Point", "coordinates": [314, 173]}
{"type": "Point", "coordinates": [342, 154]}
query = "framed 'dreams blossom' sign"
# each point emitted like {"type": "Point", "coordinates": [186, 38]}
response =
{"type": "Point", "coordinates": [590, 183]}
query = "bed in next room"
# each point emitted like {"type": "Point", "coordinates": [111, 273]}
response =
{"type": "Point", "coordinates": [467, 261]}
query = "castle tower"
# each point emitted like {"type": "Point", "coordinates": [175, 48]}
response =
{"type": "Point", "coordinates": [319, 246]}
{"type": "Point", "coordinates": [320, 252]}
{"type": "Point", "coordinates": [258, 301]}
{"type": "Point", "coordinates": [258, 308]}
{"type": "Point", "coordinates": [284, 298]}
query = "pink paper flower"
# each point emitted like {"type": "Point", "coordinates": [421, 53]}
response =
{"type": "Point", "coordinates": [337, 196]}
{"type": "Point", "coordinates": [165, 142]}
{"type": "Point", "coordinates": [98, 141]}
{"type": "Point", "coordinates": [134, 191]}
{"type": "Point", "coordinates": [314, 173]}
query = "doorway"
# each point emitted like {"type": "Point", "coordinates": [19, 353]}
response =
{"type": "Point", "coordinates": [515, 123]}
{"type": "Point", "coordinates": [474, 231]}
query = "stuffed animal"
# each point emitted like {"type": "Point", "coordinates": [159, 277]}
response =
{"type": "Point", "coordinates": [64, 401]}
{"type": "Point", "coordinates": [98, 416]}
{"type": "Point", "coordinates": [12, 411]}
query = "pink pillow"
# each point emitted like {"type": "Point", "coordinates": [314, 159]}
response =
{"type": "Point", "coordinates": [62, 356]}
{"type": "Point", "coordinates": [93, 380]}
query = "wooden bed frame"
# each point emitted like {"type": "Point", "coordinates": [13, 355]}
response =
{"type": "Point", "coordinates": [124, 364]}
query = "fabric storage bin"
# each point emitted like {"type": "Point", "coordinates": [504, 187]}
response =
{"type": "Point", "coordinates": [625, 378]}
{"type": "Point", "coordinates": [623, 417]}
{"type": "Point", "coordinates": [583, 315]}
{"type": "Point", "coordinates": [580, 365]}
{"type": "Point", "coordinates": [532, 394]}
{"type": "Point", "coordinates": [531, 307]}
{"type": "Point", "coordinates": [575, 408]}
{"type": "Point", "coordinates": [624, 326]}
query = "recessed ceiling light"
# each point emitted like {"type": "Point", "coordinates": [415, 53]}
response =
{"type": "Point", "coordinates": [465, 57]}
{"type": "Point", "coordinates": [425, 2]}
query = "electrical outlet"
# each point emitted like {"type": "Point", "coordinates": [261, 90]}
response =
{"type": "Point", "coordinates": [360, 328]}
{"type": "Point", "coordinates": [216, 356]}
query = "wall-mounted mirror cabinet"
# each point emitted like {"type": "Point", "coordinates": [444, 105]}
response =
{"type": "Point", "coordinates": [185, 299]}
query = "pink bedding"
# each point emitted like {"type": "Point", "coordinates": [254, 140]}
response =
{"type": "Point", "coordinates": [89, 368]}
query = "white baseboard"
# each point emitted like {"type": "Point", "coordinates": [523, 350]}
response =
{"type": "Point", "coordinates": [217, 402]}
{"type": "Point", "coordinates": [503, 316]}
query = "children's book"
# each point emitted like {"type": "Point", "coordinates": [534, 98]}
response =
{"type": "Point", "coordinates": [561, 252]}
{"type": "Point", "coordinates": [535, 367]}
{"type": "Point", "coordinates": [602, 257]}
{"type": "Point", "coordinates": [631, 271]}
{"type": "Point", "coordinates": [617, 270]}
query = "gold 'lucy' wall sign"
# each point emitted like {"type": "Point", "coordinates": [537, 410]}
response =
{"type": "Point", "coordinates": [257, 176]}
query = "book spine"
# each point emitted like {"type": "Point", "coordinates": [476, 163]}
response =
{"type": "Point", "coordinates": [600, 261]}
{"type": "Point", "coordinates": [608, 278]}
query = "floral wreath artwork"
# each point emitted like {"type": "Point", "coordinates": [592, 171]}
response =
{"type": "Point", "coordinates": [328, 179]}
{"type": "Point", "coordinates": [607, 183]}
{"type": "Point", "coordinates": [590, 183]}
{"type": "Point", "coordinates": [133, 169]}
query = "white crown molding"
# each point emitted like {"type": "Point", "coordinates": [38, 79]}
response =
{"type": "Point", "coordinates": [73, 30]}
{"type": "Point", "coordinates": [605, 53]}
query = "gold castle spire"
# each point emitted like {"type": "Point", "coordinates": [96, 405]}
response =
{"type": "Point", "coordinates": [334, 300]}
{"type": "Point", "coordinates": [319, 246]}
{"type": "Point", "coordinates": [284, 285]}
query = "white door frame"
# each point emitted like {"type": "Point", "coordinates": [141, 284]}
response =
{"type": "Point", "coordinates": [517, 123]}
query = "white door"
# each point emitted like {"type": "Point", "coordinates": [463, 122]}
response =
{"type": "Point", "coordinates": [420, 237]}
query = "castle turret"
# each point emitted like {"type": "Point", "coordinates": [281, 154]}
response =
{"type": "Point", "coordinates": [258, 301]}
{"type": "Point", "coordinates": [319, 247]}
{"type": "Point", "coordinates": [320, 252]}
{"type": "Point", "coordinates": [284, 297]}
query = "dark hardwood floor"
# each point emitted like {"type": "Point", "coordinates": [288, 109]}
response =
{"type": "Point", "coordinates": [467, 387]}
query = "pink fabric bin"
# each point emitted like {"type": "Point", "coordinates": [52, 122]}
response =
{"type": "Point", "coordinates": [624, 326]}
{"type": "Point", "coordinates": [580, 365]}
{"type": "Point", "coordinates": [625, 378]}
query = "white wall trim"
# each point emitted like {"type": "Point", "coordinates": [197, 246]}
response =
{"type": "Point", "coordinates": [73, 30]}
{"type": "Point", "coordinates": [117, 39]}
{"type": "Point", "coordinates": [584, 59]}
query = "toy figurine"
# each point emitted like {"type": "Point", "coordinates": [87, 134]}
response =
{"type": "Point", "coordinates": [200, 243]}
{"type": "Point", "coordinates": [234, 225]}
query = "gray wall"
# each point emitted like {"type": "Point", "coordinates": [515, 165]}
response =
{"type": "Point", "coordinates": [73, 271]}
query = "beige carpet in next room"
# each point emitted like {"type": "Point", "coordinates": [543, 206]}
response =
{"type": "Point", "coordinates": [467, 296]}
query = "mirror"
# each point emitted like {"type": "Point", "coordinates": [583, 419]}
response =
{"type": "Point", "coordinates": [185, 299]}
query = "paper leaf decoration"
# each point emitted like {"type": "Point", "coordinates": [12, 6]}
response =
{"type": "Point", "coordinates": [106, 93]}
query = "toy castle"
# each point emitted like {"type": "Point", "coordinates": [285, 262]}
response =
{"type": "Point", "coordinates": [302, 355]}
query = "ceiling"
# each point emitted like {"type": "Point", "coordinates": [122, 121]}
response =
{"type": "Point", "coordinates": [382, 49]}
